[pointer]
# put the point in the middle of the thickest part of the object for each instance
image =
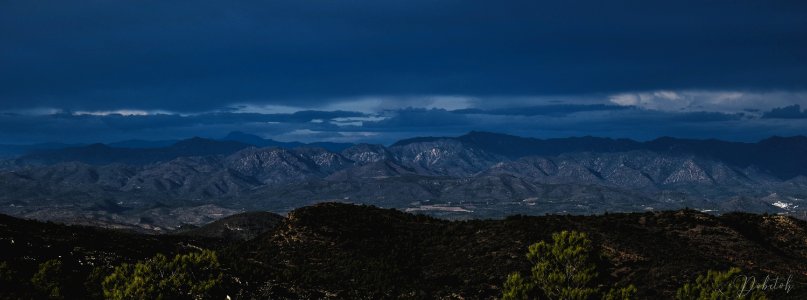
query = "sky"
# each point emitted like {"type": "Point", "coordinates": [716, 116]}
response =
{"type": "Point", "coordinates": [378, 71]}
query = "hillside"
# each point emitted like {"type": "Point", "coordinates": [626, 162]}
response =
{"type": "Point", "coordinates": [356, 251]}
{"type": "Point", "coordinates": [238, 227]}
{"type": "Point", "coordinates": [345, 251]}
{"type": "Point", "coordinates": [24, 244]}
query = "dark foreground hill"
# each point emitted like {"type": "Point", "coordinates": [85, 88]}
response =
{"type": "Point", "coordinates": [336, 250]}
{"type": "Point", "coordinates": [238, 227]}
{"type": "Point", "coordinates": [24, 244]}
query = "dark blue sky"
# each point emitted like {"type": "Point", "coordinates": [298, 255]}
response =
{"type": "Point", "coordinates": [382, 70]}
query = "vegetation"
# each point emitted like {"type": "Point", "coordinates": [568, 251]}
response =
{"type": "Point", "coordinates": [621, 293]}
{"type": "Point", "coordinates": [561, 270]}
{"type": "Point", "coordinates": [94, 281]}
{"type": "Point", "coordinates": [6, 273]}
{"type": "Point", "coordinates": [362, 252]}
{"type": "Point", "coordinates": [717, 285]}
{"type": "Point", "coordinates": [516, 288]}
{"type": "Point", "coordinates": [186, 276]}
{"type": "Point", "coordinates": [48, 280]}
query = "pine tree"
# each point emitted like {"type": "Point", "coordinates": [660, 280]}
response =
{"type": "Point", "coordinates": [515, 288]}
{"type": "Point", "coordinates": [6, 273]}
{"type": "Point", "coordinates": [187, 276]}
{"type": "Point", "coordinates": [716, 285]}
{"type": "Point", "coordinates": [624, 293]}
{"type": "Point", "coordinates": [560, 270]}
{"type": "Point", "coordinates": [48, 279]}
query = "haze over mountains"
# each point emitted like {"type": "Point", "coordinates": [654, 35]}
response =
{"type": "Point", "coordinates": [480, 174]}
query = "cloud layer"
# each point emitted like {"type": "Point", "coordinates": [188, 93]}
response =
{"type": "Point", "coordinates": [382, 70]}
{"type": "Point", "coordinates": [642, 116]}
{"type": "Point", "coordinates": [196, 56]}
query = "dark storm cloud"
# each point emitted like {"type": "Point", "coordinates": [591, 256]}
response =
{"type": "Point", "coordinates": [195, 56]}
{"type": "Point", "coordinates": [631, 122]}
{"type": "Point", "coordinates": [702, 116]}
{"type": "Point", "coordinates": [543, 110]}
{"type": "Point", "coordinates": [392, 125]}
{"type": "Point", "coordinates": [68, 127]}
{"type": "Point", "coordinates": [788, 112]}
{"type": "Point", "coordinates": [156, 121]}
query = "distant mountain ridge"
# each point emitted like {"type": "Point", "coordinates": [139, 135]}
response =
{"type": "Point", "coordinates": [255, 140]}
{"type": "Point", "coordinates": [479, 174]}
{"type": "Point", "coordinates": [785, 157]}
{"type": "Point", "coordinates": [100, 154]}
{"type": "Point", "coordinates": [144, 151]}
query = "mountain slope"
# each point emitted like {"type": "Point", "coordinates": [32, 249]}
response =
{"type": "Point", "coordinates": [444, 157]}
{"type": "Point", "coordinates": [478, 175]}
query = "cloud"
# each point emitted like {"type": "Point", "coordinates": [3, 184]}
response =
{"type": "Point", "coordinates": [787, 112]}
{"type": "Point", "coordinates": [355, 121]}
{"type": "Point", "coordinates": [101, 127]}
{"type": "Point", "coordinates": [378, 104]}
{"type": "Point", "coordinates": [262, 108]}
{"type": "Point", "coordinates": [122, 112]}
{"type": "Point", "coordinates": [543, 110]}
{"type": "Point", "coordinates": [269, 56]}
{"type": "Point", "coordinates": [714, 101]}
{"type": "Point", "coordinates": [625, 99]}
{"type": "Point", "coordinates": [730, 115]}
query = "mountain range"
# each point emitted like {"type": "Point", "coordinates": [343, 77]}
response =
{"type": "Point", "coordinates": [476, 175]}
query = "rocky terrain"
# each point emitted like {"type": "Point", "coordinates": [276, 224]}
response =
{"type": "Point", "coordinates": [478, 175]}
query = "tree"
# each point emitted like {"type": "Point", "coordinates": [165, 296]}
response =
{"type": "Point", "coordinates": [624, 293]}
{"type": "Point", "coordinates": [186, 276]}
{"type": "Point", "coordinates": [560, 270]}
{"type": "Point", "coordinates": [48, 279]}
{"type": "Point", "coordinates": [93, 282]}
{"type": "Point", "coordinates": [515, 288]}
{"type": "Point", "coordinates": [716, 285]}
{"type": "Point", "coordinates": [6, 273]}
